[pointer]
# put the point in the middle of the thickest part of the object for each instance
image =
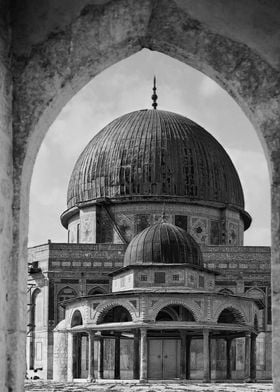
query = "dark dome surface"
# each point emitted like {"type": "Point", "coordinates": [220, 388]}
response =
{"type": "Point", "coordinates": [163, 243]}
{"type": "Point", "coordinates": [153, 154]}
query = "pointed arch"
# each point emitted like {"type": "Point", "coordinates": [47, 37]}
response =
{"type": "Point", "coordinates": [76, 319]}
{"type": "Point", "coordinates": [64, 293]}
{"type": "Point", "coordinates": [175, 313]}
{"type": "Point", "coordinates": [114, 314]}
{"type": "Point", "coordinates": [231, 315]}
{"type": "Point", "coordinates": [96, 290]}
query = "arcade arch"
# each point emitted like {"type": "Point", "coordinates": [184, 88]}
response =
{"type": "Point", "coordinates": [67, 60]}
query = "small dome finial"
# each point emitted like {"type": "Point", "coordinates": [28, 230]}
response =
{"type": "Point", "coordinates": [154, 96]}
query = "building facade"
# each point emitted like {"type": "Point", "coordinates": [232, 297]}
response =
{"type": "Point", "coordinates": [154, 282]}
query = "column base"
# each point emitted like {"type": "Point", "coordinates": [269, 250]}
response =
{"type": "Point", "coordinates": [250, 380]}
{"type": "Point", "coordinates": [91, 379]}
{"type": "Point", "coordinates": [142, 381]}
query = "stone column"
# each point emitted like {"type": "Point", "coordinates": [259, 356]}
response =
{"type": "Point", "coordinates": [253, 359]}
{"type": "Point", "coordinates": [136, 355]}
{"type": "Point", "coordinates": [143, 355]}
{"type": "Point", "coordinates": [206, 355]}
{"type": "Point", "coordinates": [247, 363]}
{"type": "Point", "coordinates": [70, 357]}
{"type": "Point", "coordinates": [117, 356]}
{"type": "Point", "coordinates": [228, 362]}
{"type": "Point", "coordinates": [188, 357]}
{"type": "Point", "coordinates": [100, 365]}
{"type": "Point", "coordinates": [91, 375]}
{"type": "Point", "coordinates": [183, 355]}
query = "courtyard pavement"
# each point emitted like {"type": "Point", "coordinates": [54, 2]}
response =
{"type": "Point", "coordinates": [50, 386]}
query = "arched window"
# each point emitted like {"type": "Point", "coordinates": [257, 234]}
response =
{"type": "Point", "coordinates": [96, 290]}
{"type": "Point", "coordinates": [117, 314]}
{"type": "Point", "coordinates": [175, 313]}
{"type": "Point", "coordinates": [226, 291]}
{"type": "Point", "coordinates": [76, 319]}
{"type": "Point", "coordinates": [38, 311]}
{"type": "Point", "coordinates": [231, 316]}
{"type": "Point", "coordinates": [64, 294]}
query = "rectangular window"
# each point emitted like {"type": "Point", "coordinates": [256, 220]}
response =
{"type": "Point", "coordinates": [176, 277]}
{"type": "Point", "coordinates": [181, 221]}
{"type": "Point", "coordinates": [201, 281]}
{"type": "Point", "coordinates": [78, 233]}
{"type": "Point", "coordinates": [143, 278]}
{"type": "Point", "coordinates": [159, 277]}
{"type": "Point", "coordinates": [215, 233]}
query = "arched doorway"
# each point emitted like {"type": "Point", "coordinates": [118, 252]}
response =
{"type": "Point", "coordinates": [227, 60]}
{"type": "Point", "coordinates": [116, 344]}
{"type": "Point", "coordinates": [169, 349]}
{"type": "Point", "coordinates": [80, 348]}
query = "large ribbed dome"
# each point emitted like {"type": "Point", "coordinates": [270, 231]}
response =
{"type": "Point", "coordinates": [163, 243]}
{"type": "Point", "coordinates": [153, 154]}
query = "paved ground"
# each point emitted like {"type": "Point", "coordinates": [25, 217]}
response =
{"type": "Point", "coordinates": [49, 386]}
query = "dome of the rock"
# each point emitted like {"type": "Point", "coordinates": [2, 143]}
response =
{"type": "Point", "coordinates": [163, 243]}
{"type": "Point", "coordinates": [153, 154]}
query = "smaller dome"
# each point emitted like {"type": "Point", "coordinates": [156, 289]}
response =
{"type": "Point", "coordinates": [163, 243]}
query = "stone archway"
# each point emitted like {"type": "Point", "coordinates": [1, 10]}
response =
{"type": "Point", "coordinates": [51, 66]}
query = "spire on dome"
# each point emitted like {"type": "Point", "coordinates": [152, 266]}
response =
{"type": "Point", "coordinates": [154, 96]}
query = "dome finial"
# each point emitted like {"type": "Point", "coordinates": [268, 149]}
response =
{"type": "Point", "coordinates": [154, 96]}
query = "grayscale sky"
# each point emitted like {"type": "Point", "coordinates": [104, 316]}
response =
{"type": "Point", "coordinates": [125, 87]}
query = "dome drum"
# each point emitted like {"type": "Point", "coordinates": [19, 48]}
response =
{"type": "Point", "coordinates": [119, 222]}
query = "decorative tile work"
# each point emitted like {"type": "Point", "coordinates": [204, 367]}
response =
{"type": "Point", "coordinates": [199, 230]}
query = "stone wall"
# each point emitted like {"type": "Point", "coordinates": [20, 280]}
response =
{"type": "Point", "coordinates": [9, 272]}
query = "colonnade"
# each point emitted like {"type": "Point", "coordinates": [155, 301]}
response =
{"type": "Point", "coordinates": [140, 355]}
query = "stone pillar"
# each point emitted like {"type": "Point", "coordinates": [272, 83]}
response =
{"type": "Point", "coordinates": [183, 356]}
{"type": "Point", "coordinates": [91, 375]}
{"type": "Point", "coordinates": [100, 366]}
{"type": "Point", "coordinates": [136, 355]}
{"type": "Point", "coordinates": [206, 355]}
{"type": "Point", "coordinates": [247, 363]}
{"type": "Point", "coordinates": [228, 361]}
{"type": "Point", "coordinates": [117, 356]}
{"type": "Point", "coordinates": [143, 355]}
{"type": "Point", "coordinates": [253, 359]}
{"type": "Point", "coordinates": [188, 357]}
{"type": "Point", "coordinates": [70, 357]}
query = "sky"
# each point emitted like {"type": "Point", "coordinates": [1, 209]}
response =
{"type": "Point", "coordinates": [125, 87]}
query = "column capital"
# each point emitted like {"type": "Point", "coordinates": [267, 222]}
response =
{"type": "Point", "coordinates": [206, 331]}
{"type": "Point", "coordinates": [143, 331]}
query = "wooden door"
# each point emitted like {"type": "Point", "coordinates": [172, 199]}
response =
{"type": "Point", "coordinates": [155, 359]}
{"type": "Point", "coordinates": [170, 359]}
{"type": "Point", "coordinates": [163, 359]}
